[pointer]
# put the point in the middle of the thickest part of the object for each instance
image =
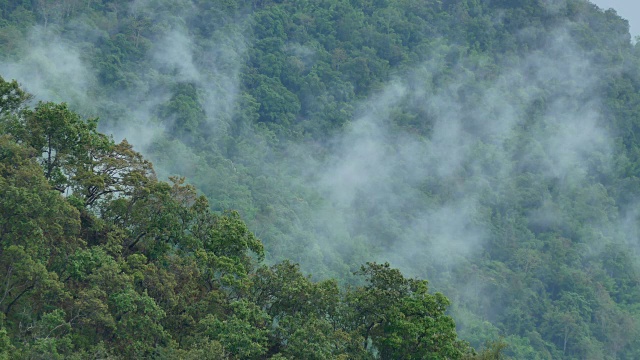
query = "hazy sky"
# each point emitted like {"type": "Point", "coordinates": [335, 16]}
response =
{"type": "Point", "coordinates": [628, 9]}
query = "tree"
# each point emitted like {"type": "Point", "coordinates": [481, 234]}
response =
{"type": "Point", "coordinates": [12, 99]}
{"type": "Point", "coordinates": [400, 319]}
{"type": "Point", "coordinates": [74, 155]}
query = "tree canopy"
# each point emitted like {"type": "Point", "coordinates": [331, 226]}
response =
{"type": "Point", "coordinates": [490, 146]}
{"type": "Point", "coordinates": [101, 259]}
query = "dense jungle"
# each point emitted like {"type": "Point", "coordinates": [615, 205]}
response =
{"type": "Point", "coordinates": [278, 179]}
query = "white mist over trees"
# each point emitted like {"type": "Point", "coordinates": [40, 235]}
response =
{"type": "Point", "coordinates": [487, 146]}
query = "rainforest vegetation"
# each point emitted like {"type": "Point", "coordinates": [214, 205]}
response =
{"type": "Point", "coordinates": [313, 161]}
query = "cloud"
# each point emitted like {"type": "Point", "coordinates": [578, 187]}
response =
{"type": "Point", "coordinates": [412, 198]}
{"type": "Point", "coordinates": [434, 193]}
{"type": "Point", "coordinates": [172, 53]}
{"type": "Point", "coordinates": [52, 69]}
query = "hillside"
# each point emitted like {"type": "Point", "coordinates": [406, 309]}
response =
{"type": "Point", "coordinates": [488, 146]}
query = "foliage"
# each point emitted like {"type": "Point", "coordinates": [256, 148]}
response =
{"type": "Point", "coordinates": [100, 259]}
{"type": "Point", "coordinates": [252, 102]}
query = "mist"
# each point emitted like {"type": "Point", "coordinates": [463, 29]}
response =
{"type": "Point", "coordinates": [51, 68]}
{"type": "Point", "coordinates": [372, 167]}
{"type": "Point", "coordinates": [431, 203]}
{"type": "Point", "coordinates": [472, 149]}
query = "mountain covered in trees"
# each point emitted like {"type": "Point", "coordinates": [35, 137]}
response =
{"type": "Point", "coordinates": [489, 146]}
{"type": "Point", "coordinates": [102, 260]}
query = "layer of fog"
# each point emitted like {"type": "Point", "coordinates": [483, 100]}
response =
{"type": "Point", "coordinates": [473, 145]}
{"type": "Point", "coordinates": [431, 191]}
{"type": "Point", "coordinates": [55, 65]}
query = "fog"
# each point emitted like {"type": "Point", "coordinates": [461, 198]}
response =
{"type": "Point", "coordinates": [426, 202]}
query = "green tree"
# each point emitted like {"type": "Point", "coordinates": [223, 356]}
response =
{"type": "Point", "coordinates": [399, 319]}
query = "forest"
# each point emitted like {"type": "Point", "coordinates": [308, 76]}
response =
{"type": "Point", "coordinates": [278, 179]}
